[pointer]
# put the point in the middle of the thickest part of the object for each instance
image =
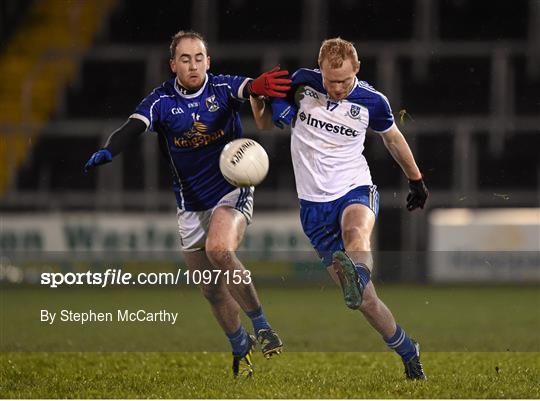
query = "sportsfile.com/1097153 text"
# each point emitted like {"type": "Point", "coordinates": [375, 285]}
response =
{"type": "Point", "coordinates": [118, 277]}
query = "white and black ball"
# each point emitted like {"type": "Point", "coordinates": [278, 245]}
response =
{"type": "Point", "coordinates": [243, 162]}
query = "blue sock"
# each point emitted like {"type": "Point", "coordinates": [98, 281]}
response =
{"type": "Point", "coordinates": [258, 319]}
{"type": "Point", "coordinates": [363, 273]}
{"type": "Point", "coordinates": [402, 344]}
{"type": "Point", "coordinates": [239, 341]}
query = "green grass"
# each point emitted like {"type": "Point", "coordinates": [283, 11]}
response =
{"type": "Point", "coordinates": [292, 375]}
{"type": "Point", "coordinates": [465, 333]}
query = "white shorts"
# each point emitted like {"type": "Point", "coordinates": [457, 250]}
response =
{"type": "Point", "coordinates": [193, 226]}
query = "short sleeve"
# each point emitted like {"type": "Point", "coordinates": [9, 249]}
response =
{"type": "Point", "coordinates": [381, 118]}
{"type": "Point", "coordinates": [148, 110]}
{"type": "Point", "coordinates": [234, 83]}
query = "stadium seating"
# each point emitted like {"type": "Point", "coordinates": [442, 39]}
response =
{"type": "Point", "coordinates": [368, 16]}
{"type": "Point", "coordinates": [460, 85]}
{"type": "Point", "coordinates": [106, 89]}
{"type": "Point", "coordinates": [39, 59]}
{"type": "Point", "coordinates": [503, 20]}
{"type": "Point", "coordinates": [527, 87]}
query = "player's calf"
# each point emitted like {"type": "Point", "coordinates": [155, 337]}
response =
{"type": "Point", "coordinates": [214, 293]}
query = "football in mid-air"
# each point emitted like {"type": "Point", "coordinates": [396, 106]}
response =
{"type": "Point", "coordinates": [243, 162]}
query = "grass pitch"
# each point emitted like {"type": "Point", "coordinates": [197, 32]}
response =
{"type": "Point", "coordinates": [292, 375]}
{"type": "Point", "coordinates": [465, 333]}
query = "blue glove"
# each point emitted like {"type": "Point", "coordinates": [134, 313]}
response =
{"type": "Point", "coordinates": [102, 156]}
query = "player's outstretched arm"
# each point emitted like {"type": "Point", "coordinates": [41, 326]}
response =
{"type": "Point", "coordinates": [117, 142]}
{"type": "Point", "coordinates": [262, 113]}
{"type": "Point", "coordinates": [273, 83]}
{"type": "Point", "coordinates": [401, 152]}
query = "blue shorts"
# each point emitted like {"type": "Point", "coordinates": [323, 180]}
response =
{"type": "Point", "coordinates": [321, 221]}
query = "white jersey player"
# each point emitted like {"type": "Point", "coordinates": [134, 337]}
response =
{"type": "Point", "coordinates": [329, 111]}
{"type": "Point", "coordinates": [328, 136]}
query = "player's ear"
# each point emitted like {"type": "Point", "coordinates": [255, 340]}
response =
{"type": "Point", "coordinates": [172, 64]}
{"type": "Point", "coordinates": [207, 63]}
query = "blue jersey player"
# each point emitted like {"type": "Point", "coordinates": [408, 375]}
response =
{"type": "Point", "coordinates": [329, 111]}
{"type": "Point", "coordinates": [194, 115]}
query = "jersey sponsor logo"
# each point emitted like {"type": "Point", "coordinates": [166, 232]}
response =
{"type": "Point", "coordinates": [197, 136]}
{"type": "Point", "coordinates": [324, 125]}
{"type": "Point", "coordinates": [211, 103]}
{"type": "Point", "coordinates": [198, 127]}
{"type": "Point", "coordinates": [193, 104]}
{"type": "Point", "coordinates": [176, 110]}
{"type": "Point", "coordinates": [198, 140]}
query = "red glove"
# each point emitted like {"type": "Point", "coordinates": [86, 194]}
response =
{"type": "Point", "coordinates": [271, 83]}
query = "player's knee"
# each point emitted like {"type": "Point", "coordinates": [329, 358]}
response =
{"type": "Point", "coordinates": [219, 255]}
{"type": "Point", "coordinates": [356, 239]}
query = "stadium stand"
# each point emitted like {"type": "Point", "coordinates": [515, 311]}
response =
{"type": "Point", "coordinates": [39, 59]}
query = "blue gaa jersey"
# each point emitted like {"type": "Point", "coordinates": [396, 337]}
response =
{"type": "Point", "coordinates": [192, 130]}
{"type": "Point", "coordinates": [327, 136]}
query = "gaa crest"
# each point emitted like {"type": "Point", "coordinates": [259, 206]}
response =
{"type": "Point", "coordinates": [211, 103]}
{"type": "Point", "coordinates": [354, 112]}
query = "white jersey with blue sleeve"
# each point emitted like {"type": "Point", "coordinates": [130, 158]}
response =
{"type": "Point", "coordinates": [192, 129]}
{"type": "Point", "coordinates": [328, 137]}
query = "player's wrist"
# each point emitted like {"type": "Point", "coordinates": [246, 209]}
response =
{"type": "Point", "coordinates": [259, 98]}
{"type": "Point", "coordinates": [418, 185]}
{"type": "Point", "coordinates": [249, 88]}
{"type": "Point", "coordinates": [417, 178]}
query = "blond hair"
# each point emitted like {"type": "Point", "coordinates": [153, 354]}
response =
{"type": "Point", "coordinates": [183, 35]}
{"type": "Point", "coordinates": [336, 50]}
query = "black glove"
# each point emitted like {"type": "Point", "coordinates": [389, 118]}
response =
{"type": "Point", "coordinates": [418, 194]}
